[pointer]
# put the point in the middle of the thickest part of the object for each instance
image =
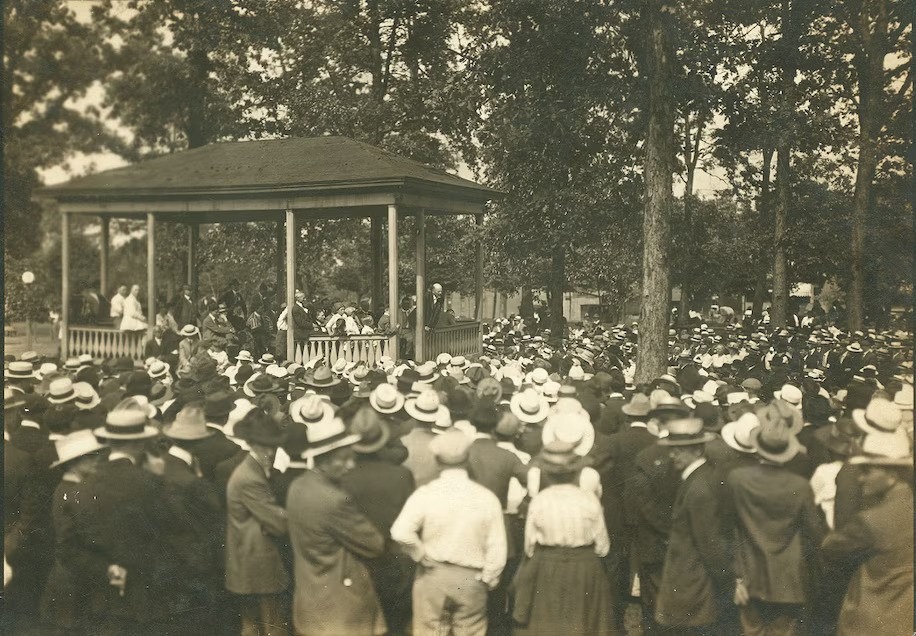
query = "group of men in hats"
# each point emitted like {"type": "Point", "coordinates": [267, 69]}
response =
{"type": "Point", "coordinates": [762, 485]}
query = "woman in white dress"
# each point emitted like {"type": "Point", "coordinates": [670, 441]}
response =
{"type": "Point", "coordinates": [133, 319]}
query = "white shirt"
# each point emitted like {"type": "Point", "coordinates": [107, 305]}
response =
{"type": "Point", "coordinates": [454, 520]}
{"type": "Point", "coordinates": [282, 323]}
{"type": "Point", "coordinates": [117, 306]}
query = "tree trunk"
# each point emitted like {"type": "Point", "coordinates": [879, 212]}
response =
{"type": "Point", "coordinates": [651, 357]}
{"type": "Point", "coordinates": [869, 65]}
{"type": "Point", "coordinates": [526, 306]}
{"type": "Point", "coordinates": [555, 293]}
{"type": "Point", "coordinates": [764, 214]}
{"type": "Point", "coordinates": [197, 118]}
{"type": "Point", "coordinates": [788, 46]}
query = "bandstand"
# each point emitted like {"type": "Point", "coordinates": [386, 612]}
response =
{"type": "Point", "coordinates": [289, 182]}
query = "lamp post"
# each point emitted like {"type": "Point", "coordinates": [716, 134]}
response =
{"type": "Point", "coordinates": [28, 278]}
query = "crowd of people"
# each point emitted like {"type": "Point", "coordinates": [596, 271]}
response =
{"type": "Point", "coordinates": [762, 485]}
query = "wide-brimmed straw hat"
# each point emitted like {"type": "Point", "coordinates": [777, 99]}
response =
{"type": "Point", "coordinates": [426, 407]}
{"type": "Point", "coordinates": [75, 445]}
{"type": "Point", "coordinates": [737, 434]}
{"type": "Point", "coordinates": [686, 431]}
{"type": "Point", "coordinates": [327, 436]}
{"type": "Point", "coordinates": [559, 458]}
{"type": "Point", "coordinates": [880, 416]}
{"type": "Point", "coordinates": [189, 330]}
{"type": "Point", "coordinates": [60, 391]}
{"type": "Point", "coordinates": [310, 410]}
{"type": "Point", "coordinates": [86, 397]}
{"type": "Point", "coordinates": [129, 420]}
{"type": "Point", "coordinates": [189, 425]}
{"type": "Point", "coordinates": [386, 399]}
{"type": "Point", "coordinates": [529, 406]}
{"type": "Point", "coordinates": [571, 427]}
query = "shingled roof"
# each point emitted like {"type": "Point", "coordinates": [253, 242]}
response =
{"type": "Point", "coordinates": [255, 167]}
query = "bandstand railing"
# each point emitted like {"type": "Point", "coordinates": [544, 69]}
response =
{"type": "Point", "coordinates": [368, 349]}
{"type": "Point", "coordinates": [460, 339]}
{"type": "Point", "coordinates": [105, 342]}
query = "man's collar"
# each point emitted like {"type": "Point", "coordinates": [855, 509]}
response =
{"type": "Point", "coordinates": [182, 454]}
{"type": "Point", "coordinates": [692, 467]}
{"type": "Point", "coordinates": [116, 455]}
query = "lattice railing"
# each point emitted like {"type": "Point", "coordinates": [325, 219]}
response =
{"type": "Point", "coordinates": [459, 339]}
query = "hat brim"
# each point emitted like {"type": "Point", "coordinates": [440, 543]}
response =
{"type": "Point", "coordinates": [349, 440]}
{"type": "Point", "coordinates": [874, 460]}
{"type": "Point", "coordinates": [147, 433]}
{"type": "Point", "coordinates": [170, 432]}
{"type": "Point", "coordinates": [83, 453]}
{"type": "Point", "coordinates": [728, 436]}
{"type": "Point", "coordinates": [398, 405]}
{"type": "Point", "coordinates": [582, 448]}
{"type": "Point", "coordinates": [96, 400]}
{"type": "Point", "coordinates": [793, 448]}
{"type": "Point", "coordinates": [376, 445]}
{"type": "Point", "coordinates": [703, 438]}
{"type": "Point", "coordinates": [422, 416]}
{"type": "Point", "coordinates": [626, 410]}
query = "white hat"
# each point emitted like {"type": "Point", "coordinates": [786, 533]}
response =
{"type": "Point", "coordinates": [737, 434]}
{"type": "Point", "coordinates": [386, 399]}
{"type": "Point", "coordinates": [86, 396]}
{"type": "Point", "coordinates": [60, 391]}
{"type": "Point", "coordinates": [904, 398]}
{"type": "Point", "coordinates": [880, 416]}
{"type": "Point", "coordinates": [789, 393]}
{"type": "Point", "coordinates": [75, 445]}
{"type": "Point", "coordinates": [529, 406]}
{"type": "Point", "coordinates": [570, 427]}
{"type": "Point", "coordinates": [310, 410]}
{"type": "Point", "coordinates": [425, 407]}
{"type": "Point", "coordinates": [327, 435]}
{"type": "Point", "coordinates": [129, 420]}
{"type": "Point", "coordinates": [538, 377]}
{"type": "Point", "coordinates": [549, 390]}
{"type": "Point", "coordinates": [244, 356]}
{"type": "Point", "coordinates": [443, 358]}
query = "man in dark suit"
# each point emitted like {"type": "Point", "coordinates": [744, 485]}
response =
{"type": "Point", "coordinates": [435, 308]}
{"type": "Point", "coordinates": [330, 534]}
{"type": "Point", "coordinates": [612, 418]}
{"type": "Point", "coordinates": [184, 308]}
{"type": "Point", "coordinates": [622, 449]}
{"type": "Point", "coordinates": [778, 527]}
{"type": "Point", "coordinates": [380, 488]}
{"type": "Point", "coordinates": [648, 500]}
{"type": "Point", "coordinates": [697, 581]}
{"type": "Point", "coordinates": [124, 518]}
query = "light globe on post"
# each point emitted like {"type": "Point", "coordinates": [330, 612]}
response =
{"type": "Point", "coordinates": [28, 278]}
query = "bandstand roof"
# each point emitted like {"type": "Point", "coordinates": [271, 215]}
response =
{"type": "Point", "coordinates": [259, 180]}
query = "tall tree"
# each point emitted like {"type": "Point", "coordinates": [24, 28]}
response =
{"type": "Point", "coordinates": [878, 32]}
{"type": "Point", "coordinates": [651, 358]}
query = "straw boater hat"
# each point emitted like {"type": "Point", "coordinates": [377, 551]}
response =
{"type": "Point", "coordinates": [20, 370]}
{"type": "Point", "coordinates": [340, 366]}
{"type": "Point", "coordinates": [310, 410]}
{"type": "Point", "coordinates": [425, 407]}
{"type": "Point", "coordinates": [86, 396]}
{"type": "Point", "coordinates": [60, 391]}
{"type": "Point", "coordinates": [327, 436]}
{"type": "Point", "coordinates": [686, 431]}
{"type": "Point", "coordinates": [789, 393]}
{"type": "Point", "coordinates": [189, 425]}
{"type": "Point", "coordinates": [372, 430]}
{"type": "Point", "coordinates": [267, 359]}
{"type": "Point", "coordinates": [386, 399]}
{"type": "Point", "coordinates": [75, 445]}
{"type": "Point", "coordinates": [189, 330]}
{"type": "Point", "coordinates": [358, 374]}
{"type": "Point", "coordinates": [529, 406]}
{"type": "Point", "coordinates": [550, 391]}
{"type": "Point", "coordinates": [158, 370]}
{"type": "Point", "coordinates": [129, 420]}
{"type": "Point", "coordinates": [427, 372]}
{"type": "Point", "coordinates": [244, 356]}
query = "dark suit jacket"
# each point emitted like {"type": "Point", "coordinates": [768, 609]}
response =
{"type": "Point", "coordinates": [849, 500]}
{"type": "Point", "coordinates": [379, 488]}
{"type": "Point", "coordinates": [612, 419]}
{"type": "Point", "coordinates": [435, 311]}
{"type": "Point", "coordinates": [879, 599]}
{"type": "Point", "coordinates": [210, 451]}
{"type": "Point", "coordinates": [184, 311]}
{"type": "Point", "coordinates": [494, 467]}
{"type": "Point", "coordinates": [698, 565]}
{"type": "Point", "coordinates": [124, 518]}
{"type": "Point", "coordinates": [330, 535]}
{"type": "Point", "coordinates": [302, 323]}
{"type": "Point", "coordinates": [778, 528]}
{"type": "Point", "coordinates": [623, 447]}
{"type": "Point", "coordinates": [649, 495]}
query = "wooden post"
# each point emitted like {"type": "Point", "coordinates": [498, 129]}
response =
{"type": "Point", "coordinates": [393, 296]}
{"type": "Point", "coordinates": [375, 242]}
{"type": "Point", "coordinates": [150, 273]}
{"type": "Point", "coordinates": [420, 328]}
{"type": "Point", "coordinates": [290, 283]}
{"type": "Point", "coordinates": [64, 286]}
{"type": "Point", "coordinates": [478, 271]}
{"type": "Point", "coordinates": [279, 263]}
{"type": "Point", "coordinates": [193, 238]}
{"type": "Point", "coordinates": [103, 257]}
